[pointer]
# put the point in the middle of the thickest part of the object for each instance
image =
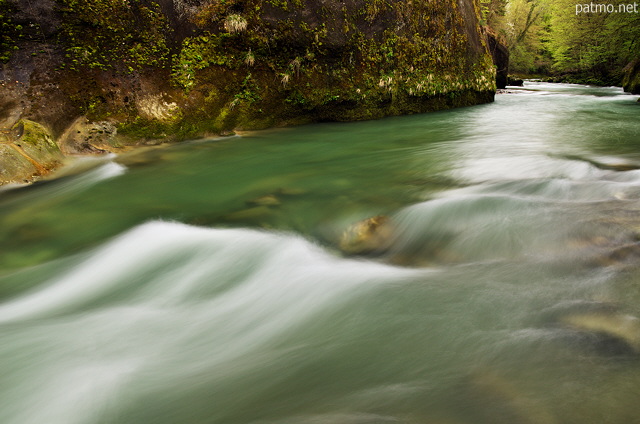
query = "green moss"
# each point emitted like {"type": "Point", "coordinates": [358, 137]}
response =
{"type": "Point", "coordinates": [105, 34]}
{"type": "Point", "coordinates": [35, 134]}
{"type": "Point", "coordinates": [37, 142]}
{"type": "Point", "coordinates": [291, 69]}
{"type": "Point", "coordinates": [201, 52]}
{"type": "Point", "coordinates": [10, 32]}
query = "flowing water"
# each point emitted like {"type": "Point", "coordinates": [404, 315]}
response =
{"type": "Point", "coordinates": [203, 283]}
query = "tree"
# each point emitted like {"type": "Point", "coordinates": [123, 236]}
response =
{"type": "Point", "coordinates": [597, 44]}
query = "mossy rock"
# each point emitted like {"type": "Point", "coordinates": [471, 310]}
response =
{"type": "Point", "coordinates": [38, 143]}
{"type": "Point", "coordinates": [14, 168]}
{"type": "Point", "coordinates": [27, 153]}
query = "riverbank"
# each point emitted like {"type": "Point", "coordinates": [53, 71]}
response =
{"type": "Point", "coordinates": [183, 70]}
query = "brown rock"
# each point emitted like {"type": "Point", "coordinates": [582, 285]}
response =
{"type": "Point", "coordinates": [372, 235]}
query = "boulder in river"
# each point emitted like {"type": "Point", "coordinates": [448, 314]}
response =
{"type": "Point", "coordinates": [369, 236]}
{"type": "Point", "coordinates": [516, 82]}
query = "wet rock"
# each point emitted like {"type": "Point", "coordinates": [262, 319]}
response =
{"type": "Point", "coordinates": [516, 82]}
{"type": "Point", "coordinates": [84, 137]}
{"type": "Point", "coordinates": [504, 91]}
{"type": "Point", "coordinates": [607, 328]}
{"type": "Point", "coordinates": [15, 168]}
{"type": "Point", "coordinates": [606, 164]}
{"type": "Point", "coordinates": [27, 151]}
{"type": "Point", "coordinates": [372, 235]}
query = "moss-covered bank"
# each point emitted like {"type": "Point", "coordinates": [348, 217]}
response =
{"type": "Point", "coordinates": [185, 68]}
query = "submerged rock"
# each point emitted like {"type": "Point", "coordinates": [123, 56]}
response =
{"type": "Point", "coordinates": [493, 399]}
{"type": "Point", "coordinates": [372, 235]}
{"type": "Point", "coordinates": [618, 255]}
{"type": "Point", "coordinates": [258, 213]}
{"type": "Point", "coordinates": [268, 200]}
{"type": "Point", "coordinates": [606, 164]}
{"type": "Point", "coordinates": [612, 330]}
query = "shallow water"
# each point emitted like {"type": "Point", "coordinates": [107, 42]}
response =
{"type": "Point", "coordinates": [202, 282]}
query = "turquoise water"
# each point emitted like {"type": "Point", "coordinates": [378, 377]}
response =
{"type": "Point", "coordinates": [203, 282]}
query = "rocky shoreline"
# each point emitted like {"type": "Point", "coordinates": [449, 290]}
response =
{"type": "Point", "coordinates": [185, 69]}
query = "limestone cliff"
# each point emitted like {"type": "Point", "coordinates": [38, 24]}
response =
{"type": "Point", "coordinates": [184, 68]}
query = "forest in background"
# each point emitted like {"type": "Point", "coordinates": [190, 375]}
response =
{"type": "Point", "coordinates": [564, 39]}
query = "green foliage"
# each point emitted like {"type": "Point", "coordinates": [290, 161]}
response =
{"type": "Point", "coordinates": [201, 52]}
{"type": "Point", "coordinates": [525, 25]}
{"type": "Point", "coordinates": [248, 91]}
{"type": "Point", "coordinates": [598, 43]}
{"type": "Point", "coordinates": [548, 34]}
{"type": "Point", "coordinates": [104, 33]}
{"type": "Point", "coordinates": [491, 12]}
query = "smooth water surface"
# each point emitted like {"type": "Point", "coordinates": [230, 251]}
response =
{"type": "Point", "coordinates": [203, 283]}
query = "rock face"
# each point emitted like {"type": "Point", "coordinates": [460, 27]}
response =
{"type": "Point", "coordinates": [184, 68]}
{"type": "Point", "coordinates": [631, 81]}
{"type": "Point", "coordinates": [84, 137]}
{"type": "Point", "coordinates": [500, 56]}
{"type": "Point", "coordinates": [26, 151]}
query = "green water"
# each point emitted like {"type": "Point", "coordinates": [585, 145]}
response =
{"type": "Point", "coordinates": [202, 282]}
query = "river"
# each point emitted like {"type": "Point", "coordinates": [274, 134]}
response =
{"type": "Point", "coordinates": [203, 283]}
